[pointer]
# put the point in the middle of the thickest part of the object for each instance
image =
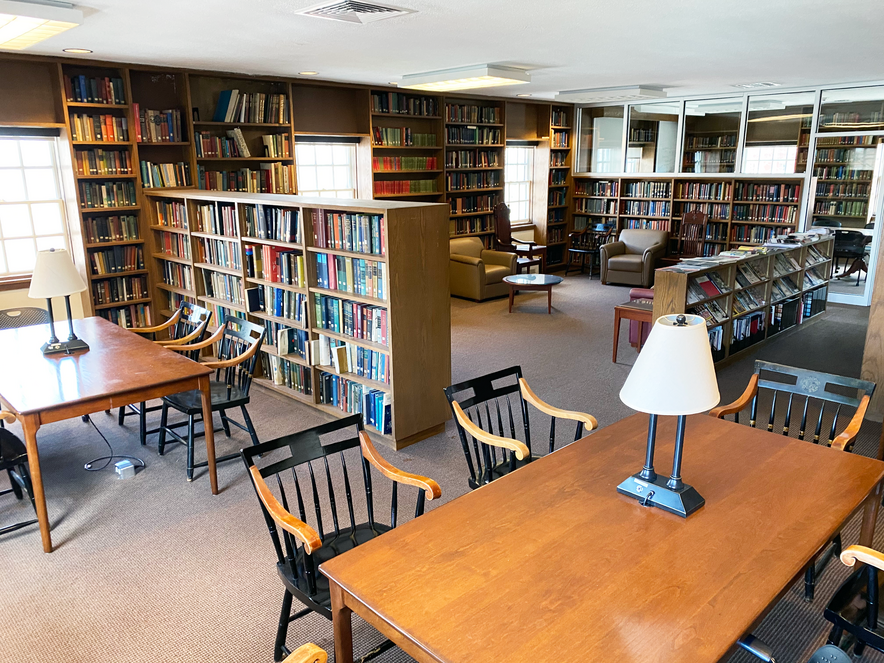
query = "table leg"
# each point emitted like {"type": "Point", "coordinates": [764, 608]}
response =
{"type": "Point", "coordinates": [641, 329]}
{"type": "Point", "coordinates": [549, 300]}
{"type": "Point", "coordinates": [512, 294]}
{"type": "Point", "coordinates": [342, 625]}
{"type": "Point", "coordinates": [870, 516]}
{"type": "Point", "coordinates": [30, 425]}
{"type": "Point", "coordinates": [209, 428]}
{"type": "Point", "coordinates": [616, 334]}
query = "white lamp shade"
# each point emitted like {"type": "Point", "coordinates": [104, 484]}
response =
{"type": "Point", "coordinates": [674, 373]}
{"type": "Point", "coordinates": [55, 275]}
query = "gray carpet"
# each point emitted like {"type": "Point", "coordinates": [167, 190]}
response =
{"type": "Point", "coordinates": [157, 569]}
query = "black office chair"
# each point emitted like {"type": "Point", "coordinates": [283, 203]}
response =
{"type": "Point", "coordinates": [827, 223]}
{"type": "Point", "coordinates": [850, 245]}
{"type": "Point", "coordinates": [826, 654]}
{"type": "Point", "coordinates": [14, 460]}
{"type": "Point", "coordinates": [26, 316]}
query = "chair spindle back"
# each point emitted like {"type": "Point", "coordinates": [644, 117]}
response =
{"type": "Point", "coordinates": [240, 337]}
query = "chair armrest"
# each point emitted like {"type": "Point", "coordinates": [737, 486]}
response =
{"type": "Point", "coordinates": [227, 363]}
{"type": "Point", "coordinates": [740, 403]}
{"type": "Point", "coordinates": [613, 249]}
{"type": "Point", "coordinates": [7, 416]}
{"type": "Point", "coordinates": [430, 487]}
{"type": "Point", "coordinates": [522, 452]}
{"type": "Point", "coordinates": [587, 419]}
{"type": "Point", "coordinates": [756, 647]}
{"type": "Point", "coordinates": [152, 330]}
{"type": "Point", "coordinates": [852, 554]}
{"type": "Point", "coordinates": [297, 528]}
{"type": "Point", "coordinates": [214, 338]}
{"type": "Point", "coordinates": [500, 258]}
{"type": "Point", "coordinates": [848, 435]}
{"type": "Point", "coordinates": [194, 335]}
{"type": "Point", "coordinates": [308, 653]}
{"type": "Point", "coordinates": [467, 260]}
{"type": "Point", "coordinates": [653, 251]}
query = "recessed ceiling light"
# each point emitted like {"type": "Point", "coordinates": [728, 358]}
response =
{"type": "Point", "coordinates": [523, 95]}
{"type": "Point", "coordinates": [749, 86]}
{"type": "Point", "coordinates": [465, 78]}
{"type": "Point", "coordinates": [628, 93]}
{"type": "Point", "coordinates": [24, 24]}
{"type": "Point", "coordinates": [307, 73]}
{"type": "Point", "coordinates": [78, 51]}
{"type": "Point", "coordinates": [394, 84]}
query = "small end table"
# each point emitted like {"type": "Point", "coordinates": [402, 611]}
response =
{"type": "Point", "coordinates": [638, 311]}
{"type": "Point", "coordinates": [525, 264]}
{"type": "Point", "coordinates": [532, 282]}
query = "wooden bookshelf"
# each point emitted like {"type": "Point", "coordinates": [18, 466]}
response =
{"type": "Point", "coordinates": [750, 299]}
{"type": "Point", "coordinates": [559, 186]}
{"type": "Point", "coordinates": [843, 191]}
{"type": "Point", "coordinates": [416, 310]}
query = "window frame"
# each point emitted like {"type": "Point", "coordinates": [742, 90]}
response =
{"type": "Point", "coordinates": [529, 166]}
{"type": "Point", "coordinates": [332, 141]}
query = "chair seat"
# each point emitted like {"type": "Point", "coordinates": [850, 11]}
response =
{"type": "Point", "coordinates": [628, 262]}
{"type": "Point", "coordinates": [223, 396]}
{"type": "Point", "coordinates": [12, 450]}
{"type": "Point", "coordinates": [495, 273]}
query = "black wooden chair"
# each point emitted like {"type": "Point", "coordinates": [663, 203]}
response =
{"type": "Point", "coordinates": [14, 460]}
{"type": "Point", "coordinates": [585, 244]}
{"type": "Point", "coordinates": [238, 344]}
{"type": "Point", "coordinates": [855, 607]}
{"type": "Point", "coordinates": [188, 324]}
{"type": "Point", "coordinates": [305, 461]}
{"type": "Point", "coordinates": [800, 398]}
{"type": "Point", "coordinates": [850, 246]}
{"type": "Point", "coordinates": [476, 415]}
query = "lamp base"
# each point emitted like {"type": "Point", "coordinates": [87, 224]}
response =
{"type": "Point", "coordinates": [66, 347]}
{"type": "Point", "coordinates": [682, 502]}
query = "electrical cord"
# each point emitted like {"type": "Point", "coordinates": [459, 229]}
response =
{"type": "Point", "coordinates": [107, 459]}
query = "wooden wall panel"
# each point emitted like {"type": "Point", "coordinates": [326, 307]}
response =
{"type": "Point", "coordinates": [29, 93]}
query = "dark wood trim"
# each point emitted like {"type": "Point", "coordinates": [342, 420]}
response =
{"type": "Point", "coordinates": [20, 282]}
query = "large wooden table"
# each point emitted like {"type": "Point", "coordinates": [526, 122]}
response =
{"type": "Point", "coordinates": [119, 368]}
{"type": "Point", "coordinates": [551, 564]}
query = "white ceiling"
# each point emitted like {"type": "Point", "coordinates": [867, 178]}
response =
{"type": "Point", "coordinates": [688, 46]}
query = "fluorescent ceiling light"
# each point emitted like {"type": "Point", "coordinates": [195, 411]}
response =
{"type": "Point", "coordinates": [599, 94]}
{"type": "Point", "coordinates": [465, 78]}
{"type": "Point", "coordinates": [24, 24]}
{"type": "Point", "coordinates": [777, 118]}
{"type": "Point", "coordinates": [751, 86]}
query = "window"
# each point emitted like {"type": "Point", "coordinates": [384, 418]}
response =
{"type": "Point", "coordinates": [31, 206]}
{"type": "Point", "coordinates": [772, 159]}
{"type": "Point", "coordinates": [778, 121]}
{"type": "Point", "coordinates": [326, 169]}
{"type": "Point", "coordinates": [518, 178]}
{"type": "Point", "coordinates": [600, 147]}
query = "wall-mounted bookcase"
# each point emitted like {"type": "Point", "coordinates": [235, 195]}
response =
{"type": "Point", "coordinates": [558, 195]}
{"type": "Point", "coordinates": [843, 167]}
{"type": "Point", "coordinates": [321, 274]}
{"type": "Point", "coordinates": [751, 299]}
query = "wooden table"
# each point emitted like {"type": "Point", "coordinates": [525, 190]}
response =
{"type": "Point", "coordinates": [118, 369]}
{"type": "Point", "coordinates": [550, 563]}
{"type": "Point", "coordinates": [540, 282]}
{"type": "Point", "coordinates": [631, 311]}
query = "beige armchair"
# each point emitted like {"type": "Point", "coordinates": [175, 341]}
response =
{"type": "Point", "coordinates": [476, 272]}
{"type": "Point", "coordinates": [632, 259]}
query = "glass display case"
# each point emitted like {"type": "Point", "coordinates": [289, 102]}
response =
{"type": "Point", "coordinates": [600, 147]}
{"type": "Point", "coordinates": [778, 133]}
{"type": "Point", "coordinates": [652, 139]}
{"type": "Point", "coordinates": [711, 131]}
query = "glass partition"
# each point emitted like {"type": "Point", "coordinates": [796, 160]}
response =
{"type": "Point", "coordinates": [853, 109]}
{"type": "Point", "coordinates": [600, 149]}
{"type": "Point", "coordinates": [652, 140]}
{"type": "Point", "coordinates": [711, 130]}
{"type": "Point", "coordinates": [778, 133]}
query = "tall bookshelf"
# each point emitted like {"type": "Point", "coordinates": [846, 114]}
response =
{"type": "Point", "coordinates": [240, 266]}
{"type": "Point", "coordinates": [558, 198]}
{"type": "Point", "coordinates": [475, 144]}
{"type": "Point", "coordinates": [843, 168]}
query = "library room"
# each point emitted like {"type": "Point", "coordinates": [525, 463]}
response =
{"type": "Point", "coordinates": [441, 332]}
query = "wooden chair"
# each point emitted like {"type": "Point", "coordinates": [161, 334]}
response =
{"type": "Point", "coordinates": [305, 461]}
{"type": "Point", "coordinates": [692, 234]}
{"type": "Point", "coordinates": [586, 243]}
{"type": "Point", "coordinates": [188, 323]}
{"type": "Point", "coordinates": [855, 606]}
{"type": "Point", "coordinates": [504, 241]}
{"type": "Point", "coordinates": [238, 344]}
{"type": "Point", "coordinates": [804, 395]}
{"type": "Point", "coordinates": [476, 415]}
{"type": "Point", "coordinates": [14, 459]}
{"type": "Point", "coordinates": [308, 653]}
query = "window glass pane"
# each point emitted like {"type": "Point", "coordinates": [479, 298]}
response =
{"type": "Point", "coordinates": [50, 242]}
{"type": "Point", "coordinates": [341, 155]}
{"type": "Point", "coordinates": [48, 218]}
{"type": "Point", "coordinates": [518, 181]}
{"type": "Point", "coordinates": [306, 155]}
{"type": "Point", "coordinates": [15, 220]}
{"type": "Point", "coordinates": [9, 153]}
{"type": "Point", "coordinates": [21, 255]}
{"type": "Point", "coordinates": [12, 186]}
{"type": "Point", "coordinates": [778, 133]}
{"type": "Point", "coordinates": [323, 153]}
{"type": "Point", "coordinates": [845, 168]}
{"type": "Point", "coordinates": [41, 184]}
{"type": "Point", "coordinates": [653, 138]}
{"type": "Point", "coordinates": [852, 109]}
{"type": "Point", "coordinates": [327, 170]}
{"type": "Point", "coordinates": [600, 147]}
{"type": "Point", "coordinates": [325, 178]}
{"type": "Point", "coordinates": [711, 129]}
{"type": "Point", "coordinates": [306, 179]}
{"type": "Point", "coordinates": [36, 153]}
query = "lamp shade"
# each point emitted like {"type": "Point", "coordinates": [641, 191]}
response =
{"type": "Point", "coordinates": [55, 275]}
{"type": "Point", "coordinates": [674, 373]}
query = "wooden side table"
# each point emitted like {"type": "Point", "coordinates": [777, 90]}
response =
{"type": "Point", "coordinates": [638, 311]}
{"type": "Point", "coordinates": [532, 282]}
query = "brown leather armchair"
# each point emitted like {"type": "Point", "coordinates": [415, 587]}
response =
{"type": "Point", "coordinates": [632, 259]}
{"type": "Point", "coordinates": [476, 272]}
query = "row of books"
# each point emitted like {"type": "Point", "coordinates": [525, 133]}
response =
{"type": "Point", "coordinates": [842, 190]}
{"type": "Point", "coordinates": [747, 328]}
{"type": "Point", "coordinates": [710, 311]}
{"type": "Point", "coordinates": [841, 207]}
{"type": "Point", "coordinates": [286, 373]}
{"type": "Point", "coordinates": [784, 315]}
{"type": "Point", "coordinates": [558, 159]}
{"type": "Point", "coordinates": [645, 190]}
{"type": "Point", "coordinates": [404, 163]}
{"type": "Point", "coordinates": [842, 155]}
{"type": "Point", "coordinates": [346, 357]}
{"type": "Point", "coordinates": [812, 278]}
{"type": "Point", "coordinates": [558, 117]}
{"type": "Point", "coordinates": [269, 222]}
{"type": "Point", "coordinates": [99, 229]}
{"type": "Point", "coordinates": [234, 145]}
{"type": "Point", "coordinates": [637, 135]}
{"type": "Point", "coordinates": [766, 213]}
{"type": "Point", "coordinates": [401, 136]}
{"type": "Point", "coordinates": [647, 224]}
{"type": "Point", "coordinates": [172, 214]}
{"type": "Point", "coordinates": [559, 140]}
{"type": "Point", "coordinates": [747, 300]}
{"type": "Point", "coordinates": [116, 259]}
{"type": "Point", "coordinates": [122, 289]}
{"type": "Point", "coordinates": [94, 89]}
{"type": "Point", "coordinates": [554, 216]}
{"type": "Point", "coordinates": [646, 208]}
{"type": "Point", "coordinates": [479, 224]}
{"type": "Point", "coordinates": [271, 263]}
{"type": "Point", "coordinates": [355, 275]}
{"type": "Point", "coordinates": [254, 108]}
{"type": "Point", "coordinates": [472, 113]}
{"type": "Point", "coordinates": [842, 173]}
{"type": "Point", "coordinates": [133, 315]}
{"type": "Point", "coordinates": [270, 178]}
{"type": "Point", "coordinates": [701, 142]}
{"type": "Point", "coordinates": [785, 263]}
{"type": "Point", "coordinates": [98, 195]}
{"type": "Point", "coordinates": [156, 126]}
{"type": "Point", "coordinates": [752, 234]}
{"type": "Point", "coordinates": [715, 231]}
{"type": "Point", "coordinates": [472, 136]}
{"type": "Point", "coordinates": [394, 187]}
{"type": "Point", "coordinates": [704, 190]}
{"type": "Point", "coordinates": [178, 275]}
{"type": "Point", "coordinates": [155, 175]}
{"type": "Point", "coordinates": [472, 204]}
{"type": "Point", "coordinates": [287, 340]}
{"type": "Point", "coordinates": [705, 286]}
{"type": "Point", "coordinates": [710, 162]}
{"type": "Point", "coordinates": [783, 288]}
{"type": "Point", "coordinates": [104, 128]}
{"type": "Point", "coordinates": [480, 180]}
{"type": "Point", "coordinates": [716, 339]}
{"type": "Point", "coordinates": [218, 219]}
{"type": "Point", "coordinates": [713, 211]}
{"type": "Point", "coordinates": [218, 252]}
{"type": "Point", "coordinates": [175, 300]}
{"type": "Point", "coordinates": [278, 303]}
{"type": "Point", "coordinates": [472, 159]}
{"type": "Point", "coordinates": [558, 178]}
{"type": "Point", "coordinates": [103, 162]}
{"type": "Point", "coordinates": [847, 140]}
{"type": "Point", "coordinates": [364, 322]}
{"type": "Point", "coordinates": [352, 397]}
{"type": "Point", "coordinates": [779, 193]}
{"type": "Point", "coordinates": [596, 205]}
{"type": "Point", "coordinates": [555, 235]}
{"type": "Point", "coordinates": [851, 119]}
{"type": "Point", "coordinates": [223, 286]}
{"type": "Point", "coordinates": [600, 188]}
{"type": "Point", "coordinates": [404, 104]}
{"type": "Point", "coordinates": [557, 197]}
{"type": "Point", "coordinates": [814, 302]}
{"type": "Point", "coordinates": [174, 244]}
{"type": "Point", "coordinates": [814, 256]}
{"type": "Point", "coordinates": [360, 233]}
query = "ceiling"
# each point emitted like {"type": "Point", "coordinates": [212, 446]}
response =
{"type": "Point", "coordinates": [688, 46]}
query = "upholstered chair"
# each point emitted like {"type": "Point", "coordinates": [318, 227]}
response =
{"type": "Point", "coordinates": [632, 259]}
{"type": "Point", "coordinates": [476, 272]}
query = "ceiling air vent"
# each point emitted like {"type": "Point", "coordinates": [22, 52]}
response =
{"type": "Point", "coordinates": [354, 12]}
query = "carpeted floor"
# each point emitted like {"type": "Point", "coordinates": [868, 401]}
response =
{"type": "Point", "coordinates": [156, 569]}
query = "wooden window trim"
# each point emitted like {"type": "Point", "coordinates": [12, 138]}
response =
{"type": "Point", "coordinates": [17, 282]}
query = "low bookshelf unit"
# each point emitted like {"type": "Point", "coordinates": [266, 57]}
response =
{"type": "Point", "coordinates": [353, 295]}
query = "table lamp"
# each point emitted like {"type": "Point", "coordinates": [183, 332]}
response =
{"type": "Point", "coordinates": [55, 276]}
{"type": "Point", "coordinates": [673, 376]}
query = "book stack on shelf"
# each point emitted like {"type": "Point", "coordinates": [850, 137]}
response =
{"type": "Point", "coordinates": [713, 199]}
{"type": "Point", "coordinates": [595, 202]}
{"type": "Point", "coordinates": [763, 210]}
{"type": "Point", "coordinates": [646, 204]}
{"type": "Point", "coordinates": [406, 137]}
{"type": "Point", "coordinates": [474, 158]}
{"type": "Point", "coordinates": [316, 274]}
{"type": "Point", "coordinates": [710, 152]}
{"type": "Point", "coordinates": [561, 121]}
{"type": "Point", "coordinates": [844, 169]}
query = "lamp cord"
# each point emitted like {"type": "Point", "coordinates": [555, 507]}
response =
{"type": "Point", "coordinates": [107, 459]}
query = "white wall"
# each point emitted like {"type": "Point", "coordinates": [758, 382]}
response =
{"type": "Point", "coordinates": [19, 298]}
